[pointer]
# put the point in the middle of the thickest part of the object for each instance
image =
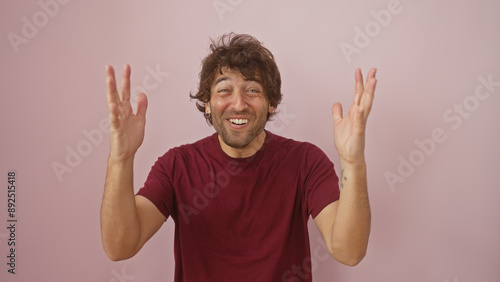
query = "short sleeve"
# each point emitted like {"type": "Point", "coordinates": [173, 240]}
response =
{"type": "Point", "coordinates": [322, 183]}
{"type": "Point", "coordinates": [158, 187]}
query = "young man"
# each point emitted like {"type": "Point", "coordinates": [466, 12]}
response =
{"type": "Point", "coordinates": [240, 198]}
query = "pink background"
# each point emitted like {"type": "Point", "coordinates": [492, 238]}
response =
{"type": "Point", "coordinates": [438, 222]}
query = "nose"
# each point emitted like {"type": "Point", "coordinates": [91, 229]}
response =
{"type": "Point", "coordinates": [239, 101]}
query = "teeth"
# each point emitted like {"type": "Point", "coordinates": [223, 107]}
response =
{"type": "Point", "coordinates": [238, 121]}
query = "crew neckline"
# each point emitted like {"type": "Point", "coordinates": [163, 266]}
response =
{"type": "Point", "coordinates": [258, 154]}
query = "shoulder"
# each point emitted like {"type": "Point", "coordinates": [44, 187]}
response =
{"type": "Point", "coordinates": [304, 154]}
{"type": "Point", "coordinates": [191, 150]}
{"type": "Point", "coordinates": [280, 142]}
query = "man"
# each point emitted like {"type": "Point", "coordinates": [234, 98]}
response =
{"type": "Point", "coordinates": [241, 198]}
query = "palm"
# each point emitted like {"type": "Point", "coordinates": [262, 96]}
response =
{"type": "Point", "coordinates": [127, 128]}
{"type": "Point", "coordinates": [349, 137]}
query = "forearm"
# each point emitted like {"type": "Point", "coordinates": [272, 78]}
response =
{"type": "Point", "coordinates": [120, 228]}
{"type": "Point", "coordinates": [351, 228]}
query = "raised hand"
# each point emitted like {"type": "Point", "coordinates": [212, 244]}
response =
{"type": "Point", "coordinates": [349, 137]}
{"type": "Point", "coordinates": [126, 128]}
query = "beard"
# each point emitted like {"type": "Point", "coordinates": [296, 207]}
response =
{"type": "Point", "coordinates": [239, 138]}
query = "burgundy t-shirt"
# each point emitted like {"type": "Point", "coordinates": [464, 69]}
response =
{"type": "Point", "coordinates": [242, 219]}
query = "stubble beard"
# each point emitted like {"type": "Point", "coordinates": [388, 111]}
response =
{"type": "Point", "coordinates": [239, 139]}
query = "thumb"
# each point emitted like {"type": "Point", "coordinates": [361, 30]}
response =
{"type": "Point", "coordinates": [337, 113]}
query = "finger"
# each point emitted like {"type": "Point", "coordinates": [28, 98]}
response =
{"type": "Point", "coordinates": [142, 105]}
{"type": "Point", "coordinates": [358, 87]}
{"type": "Point", "coordinates": [369, 93]}
{"type": "Point", "coordinates": [125, 84]}
{"type": "Point", "coordinates": [114, 116]}
{"type": "Point", "coordinates": [112, 92]}
{"type": "Point", "coordinates": [359, 116]}
{"type": "Point", "coordinates": [371, 73]}
{"type": "Point", "coordinates": [359, 121]}
{"type": "Point", "coordinates": [337, 113]}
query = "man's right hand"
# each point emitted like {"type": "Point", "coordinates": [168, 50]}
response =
{"type": "Point", "coordinates": [126, 128]}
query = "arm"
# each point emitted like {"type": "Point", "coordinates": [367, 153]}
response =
{"type": "Point", "coordinates": [345, 224]}
{"type": "Point", "coordinates": [127, 222]}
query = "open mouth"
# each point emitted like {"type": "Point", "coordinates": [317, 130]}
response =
{"type": "Point", "coordinates": [238, 121]}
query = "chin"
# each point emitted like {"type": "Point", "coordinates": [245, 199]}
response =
{"type": "Point", "coordinates": [237, 144]}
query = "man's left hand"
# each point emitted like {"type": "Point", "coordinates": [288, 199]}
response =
{"type": "Point", "coordinates": [349, 136]}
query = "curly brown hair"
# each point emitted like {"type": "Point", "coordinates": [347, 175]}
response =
{"type": "Point", "coordinates": [246, 54]}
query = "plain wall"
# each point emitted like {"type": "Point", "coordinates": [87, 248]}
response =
{"type": "Point", "coordinates": [432, 140]}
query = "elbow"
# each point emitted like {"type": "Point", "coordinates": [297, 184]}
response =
{"type": "Point", "coordinates": [118, 247]}
{"type": "Point", "coordinates": [114, 258]}
{"type": "Point", "coordinates": [352, 261]}
{"type": "Point", "coordinates": [348, 257]}
{"type": "Point", "coordinates": [117, 256]}
{"type": "Point", "coordinates": [115, 253]}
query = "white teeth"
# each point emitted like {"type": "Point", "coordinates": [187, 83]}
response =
{"type": "Point", "coordinates": [238, 121]}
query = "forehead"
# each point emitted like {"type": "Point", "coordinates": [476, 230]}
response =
{"type": "Point", "coordinates": [227, 74]}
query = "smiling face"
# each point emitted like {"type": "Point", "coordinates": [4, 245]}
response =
{"type": "Point", "coordinates": [239, 110]}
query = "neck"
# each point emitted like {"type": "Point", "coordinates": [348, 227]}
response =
{"type": "Point", "coordinates": [246, 151]}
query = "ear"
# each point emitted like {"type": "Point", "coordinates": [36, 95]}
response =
{"type": "Point", "coordinates": [207, 108]}
{"type": "Point", "coordinates": [272, 109]}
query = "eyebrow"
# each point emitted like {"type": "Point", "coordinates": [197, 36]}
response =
{"type": "Point", "coordinates": [221, 79]}
{"type": "Point", "coordinates": [224, 78]}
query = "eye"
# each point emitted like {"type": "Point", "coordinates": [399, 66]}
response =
{"type": "Point", "coordinates": [223, 92]}
{"type": "Point", "coordinates": [253, 91]}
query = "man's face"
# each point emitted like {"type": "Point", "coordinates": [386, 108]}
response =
{"type": "Point", "coordinates": [239, 108]}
